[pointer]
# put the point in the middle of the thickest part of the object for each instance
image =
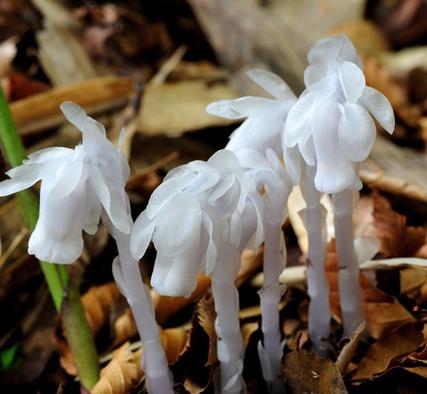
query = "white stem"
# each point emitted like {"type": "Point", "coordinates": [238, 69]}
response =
{"type": "Point", "coordinates": [349, 288]}
{"type": "Point", "coordinates": [227, 325]}
{"type": "Point", "coordinates": [154, 363]}
{"type": "Point", "coordinates": [319, 311]}
{"type": "Point", "coordinates": [270, 296]}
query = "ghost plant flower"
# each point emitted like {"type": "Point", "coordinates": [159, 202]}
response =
{"type": "Point", "coordinates": [263, 129]}
{"type": "Point", "coordinates": [262, 209]}
{"type": "Point", "coordinates": [191, 219]}
{"type": "Point", "coordinates": [79, 187]}
{"type": "Point", "coordinates": [332, 121]}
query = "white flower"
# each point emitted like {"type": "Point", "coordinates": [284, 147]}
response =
{"type": "Point", "coordinates": [187, 218]}
{"type": "Point", "coordinates": [76, 186]}
{"type": "Point", "coordinates": [331, 123]}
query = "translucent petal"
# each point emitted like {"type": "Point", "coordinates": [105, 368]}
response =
{"type": "Point", "coordinates": [314, 73]}
{"type": "Point", "coordinates": [93, 217]}
{"type": "Point", "coordinates": [68, 177]}
{"type": "Point", "coordinates": [211, 254]}
{"type": "Point", "coordinates": [356, 132]}
{"type": "Point", "coordinates": [352, 81]}
{"type": "Point", "coordinates": [298, 123]}
{"type": "Point", "coordinates": [324, 51]}
{"type": "Point", "coordinates": [260, 107]}
{"type": "Point", "coordinates": [307, 150]}
{"type": "Point", "coordinates": [142, 233]}
{"type": "Point", "coordinates": [348, 51]}
{"type": "Point", "coordinates": [259, 209]}
{"type": "Point", "coordinates": [271, 83]}
{"type": "Point", "coordinates": [335, 172]}
{"type": "Point", "coordinates": [166, 191]}
{"type": "Point", "coordinates": [292, 159]}
{"type": "Point", "coordinates": [181, 279]}
{"type": "Point", "coordinates": [379, 106]}
{"type": "Point", "coordinates": [178, 226]}
{"type": "Point", "coordinates": [250, 158]}
{"type": "Point", "coordinates": [50, 154]}
{"type": "Point", "coordinates": [223, 109]}
{"type": "Point", "coordinates": [23, 177]}
{"type": "Point", "coordinates": [257, 134]}
{"type": "Point", "coordinates": [162, 266]}
{"type": "Point", "coordinates": [224, 159]}
{"type": "Point", "coordinates": [112, 201]}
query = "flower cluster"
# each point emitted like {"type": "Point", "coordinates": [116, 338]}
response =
{"type": "Point", "coordinates": [331, 122]}
{"type": "Point", "coordinates": [93, 172]}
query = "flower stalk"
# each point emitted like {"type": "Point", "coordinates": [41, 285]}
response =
{"type": "Point", "coordinates": [319, 312]}
{"type": "Point", "coordinates": [348, 281]}
{"type": "Point", "coordinates": [60, 285]}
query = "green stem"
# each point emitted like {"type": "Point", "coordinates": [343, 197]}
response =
{"type": "Point", "coordinates": [76, 327]}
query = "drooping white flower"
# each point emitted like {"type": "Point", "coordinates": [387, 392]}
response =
{"type": "Point", "coordinates": [264, 121]}
{"type": "Point", "coordinates": [94, 172]}
{"type": "Point", "coordinates": [187, 218]}
{"type": "Point", "coordinates": [332, 120]}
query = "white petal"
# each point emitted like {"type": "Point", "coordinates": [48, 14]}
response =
{"type": "Point", "coordinates": [356, 132]}
{"type": "Point", "coordinates": [166, 191]}
{"type": "Point", "coordinates": [298, 122]}
{"type": "Point", "coordinates": [50, 154]}
{"type": "Point", "coordinates": [352, 81]}
{"type": "Point", "coordinates": [211, 254]}
{"type": "Point", "coordinates": [348, 51]}
{"type": "Point", "coordinates": [307, 150]}
{"type": "Point", "coordinates": [379, 106]}
{"type": "Point", "coordinates": [314, 73]}
{"type": "Point", "coordinates": [23, 177]}
{"type": "Point", "coordinates": [260, 107]}
{"type": "Point", "coordinates": [259, 209]}
{"type": "Point", "coordinates": [93, 217]}
{"type": "Point", "coordinates": [271, 83]}
{"type": "Point", "coordinates": [177, 226]}
{"type": "Point", "coordinates": [257, 134]}
{"type": "Point", "coordinates": [223, 109]}
{"type": "Point", "coordinates": [142, 233]}
{"type": "Point", "coordinates": [292, 159]}
{"type": "Point", "coordinates": [250, 158]}
{"type": "Point", "coordinates": [68, 177]}
{"type": "Point", "coordinates": [335, 172]}
{"type": "Point", "coordinates": [112, 201]}
{"type": "Point", "coordinates": [224, 159]}
{"type": "Point", "coordinates": [324, 51]}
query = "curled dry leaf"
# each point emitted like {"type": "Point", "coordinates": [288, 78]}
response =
{"type": "Point", "coordinates": [387, 351]}
{"type": "Point", "coordinates": [308, 373]}
{"type": "Point", "coordinates": [121, 373]}
{"type": "Point", "coordinates": [397, 238]}
{"type": "Point", "coordinates": [98, 302]}
{"type": "Point", "coordinates": [347, 352]}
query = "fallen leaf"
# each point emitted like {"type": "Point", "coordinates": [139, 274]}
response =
{"type": "Point", "coordinates": [121, 373]}
{"type": "Point", "coordinates": [308, 373]}
{"type": "Point", "coordinates": [381, 354]}
{"type": "Point", "coordinates": [174, 108]}
{"type": "Point", "coordinates": [397, 238]}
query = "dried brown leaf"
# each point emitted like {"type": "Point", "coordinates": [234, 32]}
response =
{"type": "Point", "coordinates": [308, 373]}
{"type": "Point", "coordinates": [121, 373]}
{"type": "Point", "coordinates": [397, 238]}
{"type": "Point", "coordinates": [98, 302]}
{"type": "Point", "coordinates": [163, 106]}
{"type": "Point", "coordinates": [381, 354]}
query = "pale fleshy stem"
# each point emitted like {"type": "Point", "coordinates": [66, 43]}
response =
{"type": "Point", "coordinates": [349, 287]}
{"type": "Point", "coordinates": [227, 324]}
{"type": "Point", "coordinates": [319, 311]}
{"type": "Point", "coordinates": [154, 363]}
{"type": "Point", "coordinates": [271, 351]}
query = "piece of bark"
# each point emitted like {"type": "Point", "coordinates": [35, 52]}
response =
{"type": "Point", "coordinates": [41, 111]}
